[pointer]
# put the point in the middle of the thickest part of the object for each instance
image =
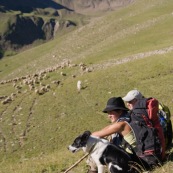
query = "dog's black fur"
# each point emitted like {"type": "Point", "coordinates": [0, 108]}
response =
{"type": "Point", "coordinates": [116, 156]}
{"type": "Point", "coordinates": [103, 153]}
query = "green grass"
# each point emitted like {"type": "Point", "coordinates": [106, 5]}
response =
{"type": "Point", "coordinates": [52, 120]}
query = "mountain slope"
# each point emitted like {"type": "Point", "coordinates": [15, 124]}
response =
{"type": "Point", "coordinates": [42, 20]}
{"type": "Point", "coordinates": [125, 49]}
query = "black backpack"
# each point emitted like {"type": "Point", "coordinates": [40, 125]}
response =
{"type": "Point", "coordinates": [147, 140]}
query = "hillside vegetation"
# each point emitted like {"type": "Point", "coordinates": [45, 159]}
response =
{"type": "Point", "coordinates": [41, 111]}
{"type": "Point", "coordinates": [25, 24]}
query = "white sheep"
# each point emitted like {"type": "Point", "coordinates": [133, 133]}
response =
{"type": "Point", "coordinates": [79, 85]}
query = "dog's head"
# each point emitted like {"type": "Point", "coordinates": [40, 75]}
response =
{"type": "Point", "coordinates": [79, 142]}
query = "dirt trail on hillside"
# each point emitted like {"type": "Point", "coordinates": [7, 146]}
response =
{"type": "Point", "coordinates": [80, 45]}
{"type": "Point", "coordinates": [132, 58]}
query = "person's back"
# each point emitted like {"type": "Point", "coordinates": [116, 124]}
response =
{"type": "Point", "coordinates": [144, 114]}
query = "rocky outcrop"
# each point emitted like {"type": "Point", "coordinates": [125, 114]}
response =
{"type": "Point", "coordinates": [24, 30]}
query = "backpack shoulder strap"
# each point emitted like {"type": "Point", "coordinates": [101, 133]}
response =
{"type": "Point", "coordinates": [139, 114]}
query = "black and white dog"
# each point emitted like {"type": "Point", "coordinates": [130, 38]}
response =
{"type": "Point", "coordinates": [102, 152]}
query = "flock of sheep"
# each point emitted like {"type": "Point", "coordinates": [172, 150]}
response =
{"type": "Point", "coordinates": [34, 81]}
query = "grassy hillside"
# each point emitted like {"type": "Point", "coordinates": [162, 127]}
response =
{"type": "Point", "coordinates": [124, 49]}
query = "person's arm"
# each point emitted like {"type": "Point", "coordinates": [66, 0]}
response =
{"type": "Point", "coordinates": [111, 129]}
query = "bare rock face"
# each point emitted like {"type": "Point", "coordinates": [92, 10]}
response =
{"type": "Point", "coordinates": [25, 30]}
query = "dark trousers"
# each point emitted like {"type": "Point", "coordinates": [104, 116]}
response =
{"type": "Point", "coordinates": [147, 162]}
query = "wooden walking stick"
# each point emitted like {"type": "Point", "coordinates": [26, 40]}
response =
{"type": "Point", "coordinates": [75, 164]}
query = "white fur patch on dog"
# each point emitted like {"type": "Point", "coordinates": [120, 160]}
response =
{"type": "Point", "coordinates": [115, 166]}
{"type": "Point", "coordinates": [73, 149]}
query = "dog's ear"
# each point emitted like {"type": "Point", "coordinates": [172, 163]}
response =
{"type": "Point", "coordinates": [86, 135]}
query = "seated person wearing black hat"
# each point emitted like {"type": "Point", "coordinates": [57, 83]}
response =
{"type": "Point", "coordinates": [118, 129]}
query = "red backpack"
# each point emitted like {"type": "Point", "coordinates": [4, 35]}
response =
{"type": "Point", "coordinates": [153, 109]}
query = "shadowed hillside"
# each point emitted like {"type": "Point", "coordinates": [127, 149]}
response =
{"type": "Point", "coordinates": [28, 6]}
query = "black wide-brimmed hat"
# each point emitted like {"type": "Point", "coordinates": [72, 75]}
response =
{"type": "Point", "coordinates": [115, 103]}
